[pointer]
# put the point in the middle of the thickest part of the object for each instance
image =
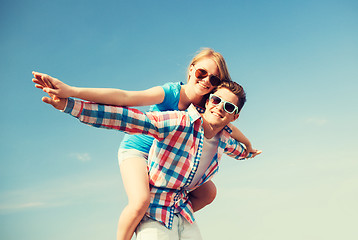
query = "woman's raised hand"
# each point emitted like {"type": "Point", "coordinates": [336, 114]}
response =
{"type": "Point", "coordinates": [54, 87]}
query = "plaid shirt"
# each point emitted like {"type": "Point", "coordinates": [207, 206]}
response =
{"type": "Point", "coordinates": [174, 156]}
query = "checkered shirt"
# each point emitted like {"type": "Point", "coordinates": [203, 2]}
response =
{"type": "Point", "coordinates": [174, 157]}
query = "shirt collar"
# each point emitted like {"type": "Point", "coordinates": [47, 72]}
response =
{"type": "Point", "coordinates": [194, 113]}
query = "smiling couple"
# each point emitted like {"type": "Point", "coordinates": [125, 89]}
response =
{"type": "Point", "coordinates": [186, 150]}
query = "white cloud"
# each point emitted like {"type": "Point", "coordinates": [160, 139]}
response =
{"type": "Point", "coordinates": [83, 157]}
{"type": "Point", "coordinates": [20, 206]}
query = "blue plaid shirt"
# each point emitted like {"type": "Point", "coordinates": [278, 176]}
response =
{"type": "Point", "coordinates": [174, 157]}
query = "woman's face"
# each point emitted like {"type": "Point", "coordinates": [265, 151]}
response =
{"type": "Point", "coordinates": [202, 86]}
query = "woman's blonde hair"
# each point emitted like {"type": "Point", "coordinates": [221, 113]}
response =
{"type": "Point", "coordinates": [217, 58]}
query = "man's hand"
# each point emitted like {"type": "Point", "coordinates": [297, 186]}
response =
{"type": "Point", "coordinates": [253, 153]}
{"type": "Point", "coordinates": [59, 104]}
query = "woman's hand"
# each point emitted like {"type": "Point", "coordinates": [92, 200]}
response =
{"type": "Point", "coordinates": [54, 87]}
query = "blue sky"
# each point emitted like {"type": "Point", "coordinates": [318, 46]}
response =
{"type": "Point", "coordinates": [297, 60]}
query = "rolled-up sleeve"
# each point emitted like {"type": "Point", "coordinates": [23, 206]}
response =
{"type": "Point", "coordinates": [235, 149]}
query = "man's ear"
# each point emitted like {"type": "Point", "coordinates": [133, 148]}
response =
{"type": "Point", "coordinates": [236, 117]}
{"type": "Point", "coordinates": [206, 103]}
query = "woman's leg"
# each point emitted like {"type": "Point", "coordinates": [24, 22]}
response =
{"type": "Point", "coordinates": [203, 195]}
{"type": "Point", "coordinates": [136, 183]}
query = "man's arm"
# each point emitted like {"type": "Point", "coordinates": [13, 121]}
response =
{"type": "Point", "coordinates": [239, 136]}
{"type": "Point", "coordinates": [156, 124]}
{"type": "Point", "coordinates": [118, 118]}
{"type": "Point", "coordinates": [236, 150]}
{"type": "Point", "coordinates": [124, 119]}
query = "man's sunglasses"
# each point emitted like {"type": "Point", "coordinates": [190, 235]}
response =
{"type": "Point", "coordinates": [228, 106]}
{"type": "Point", "coordinates": [202, 73]}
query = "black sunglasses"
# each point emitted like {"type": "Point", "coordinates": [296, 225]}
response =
{"type": "Point", "coordinates": [228, 106]}
{"type": "Point", "coordinates": [202, 73]}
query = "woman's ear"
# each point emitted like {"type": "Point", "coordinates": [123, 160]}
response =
{"type": "Point", "coordinates": [191, 68]}
{"type": "Point", "coordinates": [190, 71]}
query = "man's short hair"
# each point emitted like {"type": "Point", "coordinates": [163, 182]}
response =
{"type": "Point", "coordinates": [236, 89]}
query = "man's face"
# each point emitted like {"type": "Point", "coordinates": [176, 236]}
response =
{"type": "Point", "coordinates": [215, 115]}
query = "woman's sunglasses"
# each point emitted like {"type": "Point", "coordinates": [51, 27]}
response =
{"type": "Point", "coordinates": [202, 73]}
{"type": "Point", "coordinates": [228, 106]}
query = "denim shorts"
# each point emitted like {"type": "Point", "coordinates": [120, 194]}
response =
{"type": "Point", "coordinates": [124, 154]}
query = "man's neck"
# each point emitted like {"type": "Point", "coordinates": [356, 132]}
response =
{"type": "Point", "coordinates": [209, 130]}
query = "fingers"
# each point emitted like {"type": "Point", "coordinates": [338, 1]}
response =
{"type": "Point", "coordinates": [253, 153]}
{"type": "Point", "coordinates": [42, 85]}
{"type": "Point", "coordinates": [46, 80]}
{"type": "Point", "coordinates": [52, 93]}
{"type": "Point", "coordinates": [50, 90]}
{"type": "Point", "coordinates": [39, 82]}
{"type": "Point", "coordinates": [43, 79]}
{"type": "Point", "coordinates": [35, 80]}
{"type": "Point", "coordinates": [36, 74]}
{"type": "Point", "coordinates": [38, 77]}
{"type": "Point", "coordinates": [58, 104]}
{"type": "Point", "coordinates": [256, 152]}
{"type": "Point", "coordinates": [49, 101]}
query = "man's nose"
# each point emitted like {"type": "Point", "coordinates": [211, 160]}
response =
{"type": "Point", "coordinates": [220, 106]}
